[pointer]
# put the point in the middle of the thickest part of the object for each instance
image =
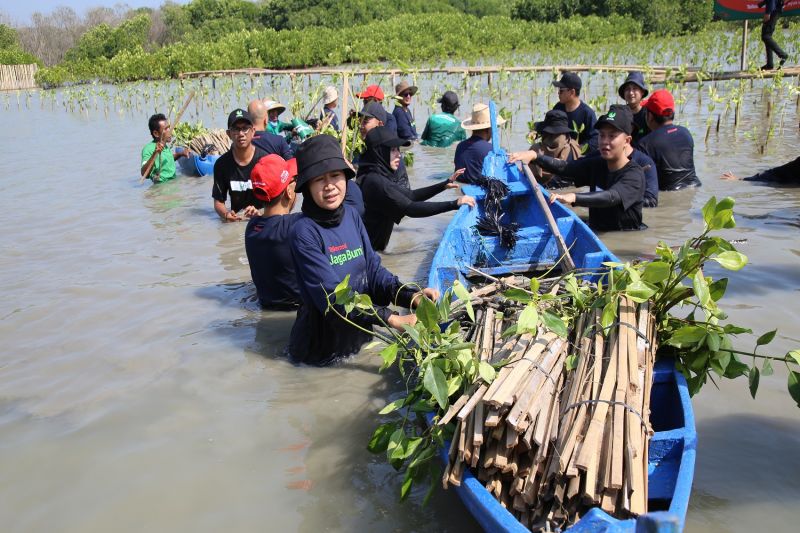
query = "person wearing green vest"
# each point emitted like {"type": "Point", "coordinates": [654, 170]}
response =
{"type": "Point", "coordinates": [159, 163]}
{"type": "Point", "coordinates": [443, 129]}
{"type": "Point", "coordinates": [274, 125]}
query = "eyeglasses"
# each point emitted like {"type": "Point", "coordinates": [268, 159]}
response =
{"type": "Point", "coordinates": [244, 130]}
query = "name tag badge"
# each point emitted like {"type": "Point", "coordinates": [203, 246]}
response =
{"type": "Point", "coordinates": [241, 186]}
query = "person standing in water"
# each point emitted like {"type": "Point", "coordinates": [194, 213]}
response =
{"type": "Point", "coordinates": [633, 90]}
{"type": "Point", "coordinates": [328, 244]}
{"type": "Point", "coordinates": [161, 164]}
{"type": "Point", "coordinates": [386, 203]}
{"type": "Point", "coordinates": [443, 129]}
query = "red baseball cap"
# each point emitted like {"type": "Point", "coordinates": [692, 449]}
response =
{"type": "Point", "coordinates": [373, 91]}
{"type": "Point", "coordinates": [660, 103]}
{"type": "Point", "coordinates": [271, 175]}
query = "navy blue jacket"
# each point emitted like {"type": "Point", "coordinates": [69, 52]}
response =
{"type": "Point", "coordinates": [672, 149]}
{"type": "Point", "coordinates": [273, 144]}
{"type": "Point", "coordinates": [406, 127]}
{"type": "Point", "coordinates": [266, 241]}
{"type": "Point", "coordinates": [391, 122]}
{"type": "Point", "coordinates": [322, 258]}
{"type": "Point", "coordinates": [469, 156]}
{"type": "Point", "coordinates": [334, 121]}
{"type": "Point", "coordinates": [583, 115]}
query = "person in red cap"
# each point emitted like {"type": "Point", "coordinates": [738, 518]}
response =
{"type": "Point", "coordinates": [266, 239]}
{"type": "Point", "coordinates": [374, 93]}
{"type": "Point", "coordinates": [670, 146]}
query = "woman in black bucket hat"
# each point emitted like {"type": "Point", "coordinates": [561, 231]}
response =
{"type": "Point", "coordinates": [633, 90]}
{"type": "Point", "coordinates": [328, 244]}
{"type": "Point", "coordinates": [557, 140]}
{"type": "Point", "coordinates": [385, 202]}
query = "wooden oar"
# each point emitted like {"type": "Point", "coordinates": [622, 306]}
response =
{"type": "Point", "coordinates": [566, 262]}
{"type": "Point", "coordinates": [177, 120]}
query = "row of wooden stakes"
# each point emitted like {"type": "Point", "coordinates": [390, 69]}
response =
{"type": "Point", "coordinates": [551, 443]}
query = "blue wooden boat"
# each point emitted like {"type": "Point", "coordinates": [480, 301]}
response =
{"type": "Point", "coordinates": [672, 448]}
{"type": "Point", "coordinates": [196, 165]}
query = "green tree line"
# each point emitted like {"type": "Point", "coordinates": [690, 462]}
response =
{"type": "Point", "coordinates": [224, 34]}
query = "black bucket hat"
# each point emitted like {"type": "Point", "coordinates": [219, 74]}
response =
{"type": "Point", "coordinates": [555, 122]}
{"type": "Point", "coordinates": [318, 155]}
{"type": "Point", "coordinates": [619, 117]}
{"type": "Point", "coordinates": [383, 136]}
{"type": "Point", "coordinates": [637, 78]}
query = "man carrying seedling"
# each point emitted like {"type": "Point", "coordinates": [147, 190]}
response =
{"type": "Point", "coordinates": [772, 12]}
{"type": "Point", "coordinates": [157, 164]}
{"type": "Point", "coordinates": [670, 146]}
{"type": "Point", "coordinates": [232, 170]}
{"type": "Point", "coordinates": [581, 116]}
{"type": "Point", "coordinates": [269, 142]}
{"type": "Point", "coordinates": [616, 183]}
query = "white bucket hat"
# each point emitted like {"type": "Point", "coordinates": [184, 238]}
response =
{"type": "Point", "coordinates": [330, 95]}
{"type": "Point", "coordinates": [481, 119]}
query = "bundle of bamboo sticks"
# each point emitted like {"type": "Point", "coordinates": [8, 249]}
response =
{"type": "Point", "coordinates": [219, 138]}
{"type": "Point", "coordinates": [550, 442]}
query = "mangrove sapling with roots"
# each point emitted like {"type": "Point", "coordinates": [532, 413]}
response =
{"type": "Point", "coordinates": [503, 372]}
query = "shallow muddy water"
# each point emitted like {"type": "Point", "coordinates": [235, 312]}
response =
{"type": "Point", "coordinates": [142, 388]}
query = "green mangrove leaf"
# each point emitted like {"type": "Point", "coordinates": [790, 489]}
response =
{"type": "Point", "coordinates": [766, 338]}
{"type": "Point", "coordinates": [640, 291]}
{"type": "Point", "coordinates": [753, 381]}
{"type": "Point", "coordinates": [735, 369]}
{"type": "Point", "coordinates": [709, 210]}
{"type": "Point", "coordinates": [462, 294]}
{"type": "Point", "coordinates": [518, 295]}
{"type": "Point", "coordinates": [342, 290]}
{"type": "Point", "coordinates": [794, 386]}
{"type": "Point", "coordinates": [766, 368]}
{"type": "Point", "coordinates": [380, 439]}
{"type": "Point", "coordinates": [435, 383]}
{"type": "Point", "coordinates": [389, 355]}
{"type": "Point", "coordinates": [656, 272]}
{"type": "Point", "coordinates": [405, 488]}
{"type": "Point", "coordinates": [555, 324]}
{"type": "Point", "coordinates": [392, 407]}
{"type": "Point", "coordinates": [731, 260]}
{"type": "Point", "coordinates": [453, 384]}
{"type": "Point", "coordinates": [428, 314]}
{"type": "Point", "coordinates": [717, 289]}
{"type": "Point", "coordinates": [794, 355]}
{"type": "Point", "coordinates": [731, 329]}
{"type": "Point", "coordinates": [686, 336]}
{"type": "Point", "coordinates": [535, 284]}
{"type": "Point", "coordinates": [487, 372]}
{"type": "Point", "coordinates": [609, 313]}
{"type": "Point", "coordinates": [713, 341]}
{"type": "Point", "coordinates": [528, 319]}
{"type": "Point", "coordinates": [701, 288]}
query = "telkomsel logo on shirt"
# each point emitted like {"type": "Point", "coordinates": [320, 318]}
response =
{"type": "Point", "coordinates": [340, 254]}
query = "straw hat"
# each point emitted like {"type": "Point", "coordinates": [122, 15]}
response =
{"type": "Point", "coordinates": [481, 119]}
{"type": "Point", "coordinates": [404, 86]}
{"type": "Point", "coordinates": [272, 104]}
{"type": "Point", "coordinates": [330, 95]}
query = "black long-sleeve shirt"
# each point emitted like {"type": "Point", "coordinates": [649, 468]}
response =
{"type": "Point", "coordinates": [617, 205]}
{"type": "Point", "coordinates": [386, 203]}
{"type": "Point", "coordinates": [787, 174]}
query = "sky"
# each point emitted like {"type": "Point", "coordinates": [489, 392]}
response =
{"type": "Point", "coordinates": [20, 11]}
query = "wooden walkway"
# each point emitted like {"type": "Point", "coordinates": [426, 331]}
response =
{"type": "Point", "coordinates": [657, 73]}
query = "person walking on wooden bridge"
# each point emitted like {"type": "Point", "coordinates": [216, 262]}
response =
{"type": "Point", "coordinates": [772, 12]}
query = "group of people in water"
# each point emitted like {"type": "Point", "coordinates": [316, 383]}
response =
{"type": "Point", "coordinates": [348, 210]}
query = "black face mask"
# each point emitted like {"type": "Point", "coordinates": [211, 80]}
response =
{"type": "Point", "coordinates": [324, 217]}
{"type": "Point", "coordinates": [376, 160]}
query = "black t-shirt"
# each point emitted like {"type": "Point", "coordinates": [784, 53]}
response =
{"type": "Point", "coordinates": [230, 177]}
{"type": "Point", "coordinates": [671, 147]}
{"type": "Point", "coordinates": [628, 183]}
{"type": "Point", "coordinates": [582, 118]}
{"type": "Point", "coordinates": [266, 241]}
{"type": "Point", "coordinates": [386, 204]}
